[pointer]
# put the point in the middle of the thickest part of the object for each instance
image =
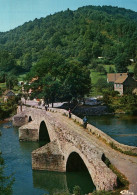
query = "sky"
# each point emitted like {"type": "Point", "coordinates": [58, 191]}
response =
{"type": "Point", "coordinates": [16, 12]}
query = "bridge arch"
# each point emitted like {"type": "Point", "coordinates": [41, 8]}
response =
{"type": "Point", "coordinates": [43, 132]}
{"type": "Point", "coordinates": [29, 119]}
{"type": "Point", "coordinates": [74, 153]}
{"type": "Point", "coordinates": [76, 163]}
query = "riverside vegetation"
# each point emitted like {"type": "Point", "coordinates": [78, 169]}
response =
{"type": "Point", "coordinates": [6, 182]}
{"type": "Point", "coordinates": [9, 108]}
{"type": "Point", "coordinates": [120, 104]}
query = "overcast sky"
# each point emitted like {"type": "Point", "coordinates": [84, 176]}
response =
{"type": "Point", "coordinates": [16, 12]}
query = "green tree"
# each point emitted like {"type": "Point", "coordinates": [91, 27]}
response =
{"type": "Point", "coordinates": [11, 81]}
{"type": "Point", "coordinates": [47, 72]}
{"type": "Point", "coordinates": [7, 61]}
{"type": "Point", "coordinates": [77, 81]}
{"type": "Point", "coordinates": [51, 90]}
{"type": "Point", "coordinates": [129, 103]}
{"type": "Point", "coordinates": [56, 40]}
{"type": "Point", "coordinates": [121, 62]}
{"type": "Point", "coordinates": [26, 63]}
{"type": "Point", "coordinates": [111, 70]}
{"type": "Point", "coordinates": [102, 84]}
{"type": "Point", "coordinates": [96, 49]}
{"type": "Point", "coordinates": [2, 77]}
{"type": "Point", "coordinates": [135, 70]}
{"type": "Point", "coordinates": [59, 80]}
{"type": "Point", "coordinates": [101, 69]}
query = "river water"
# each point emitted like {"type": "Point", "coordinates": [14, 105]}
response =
{"type": "Point", "coordinates": [17, 156]}
{"type": "Point", "coordinates": [122, 128]}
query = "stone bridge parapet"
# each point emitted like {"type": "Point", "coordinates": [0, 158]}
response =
{"type": "Point", "coordinates": [95, 131]}
{"type": "Point", "coordinates": [67, 137]}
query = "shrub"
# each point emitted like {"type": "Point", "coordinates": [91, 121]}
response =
{"type": "Point", "coordinates": [76, 190]}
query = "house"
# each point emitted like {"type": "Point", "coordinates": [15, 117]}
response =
{"type": "Point", "coordinates": [112, 77]}
{"type": "Point", "coordinates": [8, 94]}
{"type": "Point", "coordinates": [123, 82]}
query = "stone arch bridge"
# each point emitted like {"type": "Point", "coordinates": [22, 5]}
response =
{"type": "Point", "coordinates": [69, 146]}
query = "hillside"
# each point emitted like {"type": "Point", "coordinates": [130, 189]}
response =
{"type": "Point", "coordinates": [84, 34]}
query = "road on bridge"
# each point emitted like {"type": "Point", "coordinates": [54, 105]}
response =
{"type": "Point", "coordinates": [126, 164]}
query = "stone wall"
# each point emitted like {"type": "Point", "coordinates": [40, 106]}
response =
{"type": "Point", "coordinates": [54, 156]}
{"type": "Point", "coordinates": [48, 157]}
{"type": "Point", "coordinates": [19, 120]}
{"type": "Point", "coordinates": [29, 132]}
{"type": "Point", "coordinates": [64, 141]}
{"type": "Point", "coordinates": [97, 132]}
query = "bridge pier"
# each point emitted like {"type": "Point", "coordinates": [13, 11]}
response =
{"type": "Point", "coordinates": [68, 137]}
{"type": "Point", "coordinates": [49, 158]}
{"type": "Point", "coordinates": [29, 132]}
{"type": "Point", "coordinates": [19, 120]}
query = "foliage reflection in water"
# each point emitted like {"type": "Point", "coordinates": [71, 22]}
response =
{"type": "Point", "coordinates": [54, 182]}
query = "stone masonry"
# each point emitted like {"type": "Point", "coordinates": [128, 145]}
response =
{"type": "Point", "coordinates": [68, 136]}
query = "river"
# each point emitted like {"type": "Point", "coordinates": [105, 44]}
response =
{"type": "Point", "coordinates": [17, 156]}
{"type": "Point", "coordinates": [122, 128]}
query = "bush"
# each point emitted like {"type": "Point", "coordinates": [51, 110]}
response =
{"type": "Point", "coordinates": [76, 190]}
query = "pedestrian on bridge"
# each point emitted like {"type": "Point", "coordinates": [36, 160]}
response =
{"type": "Point", "coordinates": [69, 111]}
{"type": "Point", "coordinates": [85, 121]}
{"type": "Point", "coordinates": [46, 108]}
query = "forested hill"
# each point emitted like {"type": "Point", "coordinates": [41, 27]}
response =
{"type": "Point", "coordinates": [84, 34]}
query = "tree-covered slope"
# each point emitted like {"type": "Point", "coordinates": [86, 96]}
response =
{"type": "Point", "coordinates": [84, 34]}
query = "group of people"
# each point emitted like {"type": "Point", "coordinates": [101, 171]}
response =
{"type": "Point", "coordinates": [85, 121]}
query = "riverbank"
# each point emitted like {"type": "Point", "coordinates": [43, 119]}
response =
{"type": "Point", "coordinates": [92, 110]}
{"type": "Point", "coordinates": [79, 110]}
{"type": "Point", "coordinates": [121, 104]}
{"type": "Point", "coordinates": [6, 120]}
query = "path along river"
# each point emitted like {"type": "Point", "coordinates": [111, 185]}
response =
{"type": "Point", "coordinates": [17, 156]}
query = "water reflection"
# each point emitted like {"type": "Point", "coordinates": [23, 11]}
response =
{"type": "Point", "coordinates": [81, 179]}
{"type": "Point", "coordinates": [54, 182]}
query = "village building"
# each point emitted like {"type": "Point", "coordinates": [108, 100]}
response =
{"type": "Point", "coordinates": [112, 77]}
{"type": "Point", "coordinates": [123, 82]}
{"type": "Point", "coordinates": [7, 95]}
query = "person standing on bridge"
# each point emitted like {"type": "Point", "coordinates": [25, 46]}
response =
{"type": "Point", "coordinates": [69, 111]}
{"type": "Point", "coordinates": [46, 108]}
{"type": "Point", "coordinates": [85, 121]}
